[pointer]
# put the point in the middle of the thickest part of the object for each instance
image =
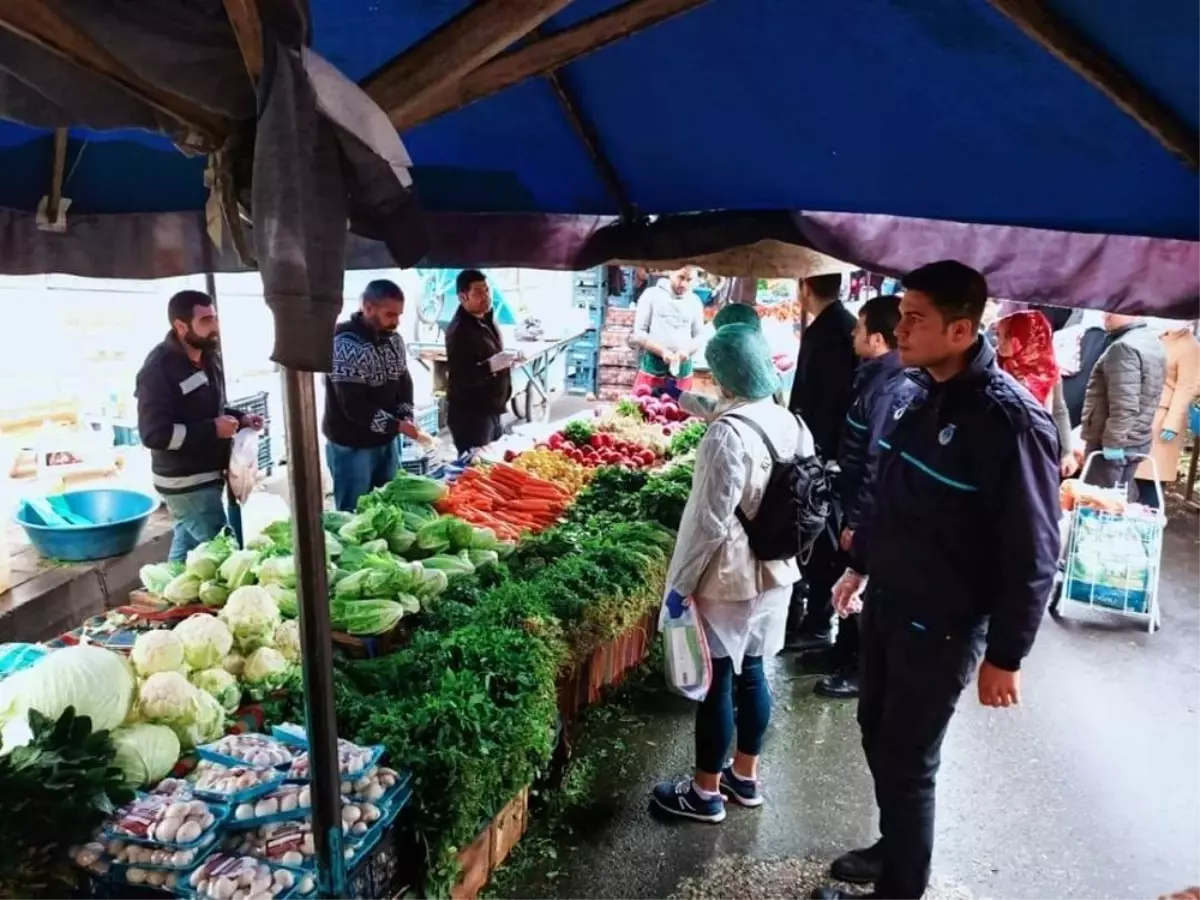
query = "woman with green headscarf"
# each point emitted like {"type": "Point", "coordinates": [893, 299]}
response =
{"type": "Point", "coordinates": [700, 405]}
{"type": "Point", "coordinates": [742, 601]}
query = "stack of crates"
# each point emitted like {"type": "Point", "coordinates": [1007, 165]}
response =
{"type": "Point", "coordinates": [589, 292]}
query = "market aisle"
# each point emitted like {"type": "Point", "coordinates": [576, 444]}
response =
{"type": "Point", "coordinates": [1089, 790]}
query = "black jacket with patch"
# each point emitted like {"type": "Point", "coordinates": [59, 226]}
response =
{"type": "Point", "coordinates": [964, 522]}
{"type": "Point", "coordinates": [824, 383]}
{"type": "Point", "coordinates": [470, 342]}
{"type": "Point", "coordinates": [178, 402]}
{"type": "Point", "coordinates": [370, 390]}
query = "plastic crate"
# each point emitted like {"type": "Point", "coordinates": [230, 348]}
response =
{"type": "Point", "coordinates": [581, 378]}
{"type": "Point", "coordinates": [256, 404]}
{"type": "Point", "coordinates": [428, 419]}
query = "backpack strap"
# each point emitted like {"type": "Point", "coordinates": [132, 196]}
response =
{"type": "Point", "coordinates": [759, 431]}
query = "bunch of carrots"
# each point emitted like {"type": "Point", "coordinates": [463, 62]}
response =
{"type": "Point", "coordinates": [505, 499]}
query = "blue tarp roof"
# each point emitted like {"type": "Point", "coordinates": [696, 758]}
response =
{"type": "Point", "coordinates": [940, 109]}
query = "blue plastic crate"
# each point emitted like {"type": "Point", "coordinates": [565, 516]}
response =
{"type": "Point", "coordinates": [427, 419]}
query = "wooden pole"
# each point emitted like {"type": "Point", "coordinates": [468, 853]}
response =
{"type": "Point", "coordinates": [54, 197]}
{"type": "Point", "coordinates": [535, 58]}
{"type": "Point", "coordinates": [1035, 18]}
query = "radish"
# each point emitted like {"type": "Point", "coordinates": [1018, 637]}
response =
{"type": "Point", "coordinates": [642, 390]}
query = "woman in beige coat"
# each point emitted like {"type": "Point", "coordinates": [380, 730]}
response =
{"type": "Point", "coordinates": [1170, 420]}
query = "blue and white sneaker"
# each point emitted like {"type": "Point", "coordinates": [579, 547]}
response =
{"type": "Point", "coordinates": [742, 791]}
{"type": "Point", "coordinates": [680, 799]}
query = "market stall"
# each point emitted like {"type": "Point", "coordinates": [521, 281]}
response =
{"type": "Point", "coordinates": [528, 586]}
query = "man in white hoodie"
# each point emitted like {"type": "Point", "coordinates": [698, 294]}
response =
{"type": "Point", "coordinates": [667, 329]}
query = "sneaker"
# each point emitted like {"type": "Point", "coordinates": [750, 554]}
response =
{"type": "Point", "coordinates": [806, 641]}
{"type": "Point", "coordinates": [837, 687]}
{"type": "Point", "coordinates": [742, 791]}
{"type": "Point", "coordinates": [859, 866]}
{"type": "Point", "coordinates": [680, 799]}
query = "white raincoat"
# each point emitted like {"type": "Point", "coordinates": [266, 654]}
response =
{"type": "Point", "coordinates": [742, 600]}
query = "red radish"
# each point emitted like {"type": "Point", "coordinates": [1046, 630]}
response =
{"type": "Point", "coordinates": [510, 455]}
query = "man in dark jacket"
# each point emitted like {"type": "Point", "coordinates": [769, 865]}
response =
{"type": "Point", "coordinates": [1122, 396]}
{"type": "Point", "coordinates": [960, 546]}
{"type": "Point", "coordinates": [478, 367]}
{"type": "Point", "coordinates": [183, 419]}
{"type": "Point", "coordinates": [821, 395]}
{"type": "Point", "coordinates": [368, 397]}
{"type": "Point", "coordinates": [878, 387]}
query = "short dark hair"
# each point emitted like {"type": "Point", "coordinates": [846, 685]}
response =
{"type": "Point", "coordinates": [182, 307]}
{"type": "Point", "coordinates": [466, 278]}
{"type": "Point", "coordinates": [382, 289]}
{"type": "Point", "coordinates": [957, 290]}
{"type": "Point", "coordinates": [827, 287]}
{"type": "Point", "coordinates": [881, 315]}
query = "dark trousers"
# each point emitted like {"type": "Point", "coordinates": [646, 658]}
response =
{"type": "Point", "coordinates": [1147, 492]}
{"type": "Point", "coordinates": [1112, 473]}
{"type": "Point", "coordinates": [845, 648]}
{"type": "Point", "coordinates": [821, 572]}
{"type": "Point", "coordinates": [911, 676]}
{"type": "Point", "coordinates": [471, 428]}
{"type": "Point", "coordinates": [716, 721]}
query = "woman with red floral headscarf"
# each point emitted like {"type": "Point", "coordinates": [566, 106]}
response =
{"type": "Point", "coordinates": [1025, 347]}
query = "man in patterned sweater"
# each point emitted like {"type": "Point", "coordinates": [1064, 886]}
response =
{"type": "Point", "coordinates": [368, 396]}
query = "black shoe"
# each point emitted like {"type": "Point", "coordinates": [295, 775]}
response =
{"type": "Point", "coordinates": [805, 641]}
{"type": "Point", "coordinates": [859, 866]}
{"type": "Point", "coordinates": [832, 893]}
{"type": "Point", "coordinates": [841, 686]}
{"type": "Point", "coordinates": [818, 662]}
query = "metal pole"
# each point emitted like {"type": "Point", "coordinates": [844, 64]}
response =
{"type": "Point", "coordinates": [316, 641]}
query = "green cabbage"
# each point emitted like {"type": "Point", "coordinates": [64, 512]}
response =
{"type": "Point", "coordinates": [224, 688]}
{"type": "Point", "coordinates": [213, 594]}
{"type": "Point", "coordinates": [379, 545]}
{"type": "Point", "coordinates": [183, 589]}
{"type": "Point", "coordinates": [204, 559]}
{"type": "Point", "coordinates": [97, 682]}
{"type": "Point", "coordinates": [206, 640]}
{"type": "Point", "coordinates": [238, 570]}
{"type": "Point", "coordinates": [365, 616]}
{"type": "Point", "coordinates": [157, 651]}
{"type": "Point", "coordinates": [146, 753]}
{"type": "Point", "coordinates": [157, 576]}
{"type": "Point", "coordinates": [252, 616]}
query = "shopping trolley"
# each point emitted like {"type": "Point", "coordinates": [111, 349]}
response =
{"type": "Point", "coordinates": [1114, 552]}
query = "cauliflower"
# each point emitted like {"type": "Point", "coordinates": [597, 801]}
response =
{"type": "Point", "coordinates": [206, 640]}
{"type": "Point", "coordinates": [287, 640]}
{"type": "Point", "coordinates": [252, 616]}
{"type": "Point", "coordinates": [167, 697]}
{"type": "Point", "coordinates": [157, 651]}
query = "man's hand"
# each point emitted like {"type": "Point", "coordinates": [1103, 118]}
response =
{"type": "Point", "coordinates": [409, 429]}
{"type": "Point", "coordinates": [1069, 466]}
{"type": "Point", "coordinates": [252, 420]}
{"type": "Point", "coordinates": [846, 593]}
{"type": "Point", "coordinates": [998, 687]}
{"type": "Point", "coordinates": [846, 539]}
{"type": "Point", "coordinates": [227, 427]}
{"type": "Point", "coordinates": [670, 357]}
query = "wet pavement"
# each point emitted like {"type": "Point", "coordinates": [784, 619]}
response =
{"type": "Point", "coordinates": [1090, 789]}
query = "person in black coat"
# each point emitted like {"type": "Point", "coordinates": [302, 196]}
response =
{"type": "Point", "coordinates": [479, 376]}
{"type": "Point", "coordinates": [880, 385]}
{"type": "Point", "coordinates": [821, 395]}
{"type": "Point", "coordinates": [960, 546]}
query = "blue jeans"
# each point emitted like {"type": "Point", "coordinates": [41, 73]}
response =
{"type": "Point", "coordinates": [715, 719]}
{"type": "Point", "coordinates": [355, 472]}
{"type": "Point", "coordinates": [199, 516]}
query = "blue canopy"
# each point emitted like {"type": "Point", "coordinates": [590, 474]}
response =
{"type": "Point", "coordinates": [911, 115]}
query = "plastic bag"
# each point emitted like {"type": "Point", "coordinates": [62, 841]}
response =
{"type": "Point", "coordinates": [243, 464]}
{"type": "Point", "coordinates": [688, 661]}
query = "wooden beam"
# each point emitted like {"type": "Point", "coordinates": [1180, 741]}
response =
{"type": "Point", "coordinates": [54, 197]}
{"type": "Point", "coordinates": [538, 58]}
{"type": "Point", "coordinates": [591, 143]}
{"type": "Point", "coordinates": [462, 44]}
{"type": "Point", "coordinates": [39, 22]}
{"type": "Point", "coordinates": [1035, 18]}
{"type": "Point", "coordinates": [247, 28]}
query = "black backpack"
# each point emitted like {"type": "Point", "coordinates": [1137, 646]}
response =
{"type": "Point", "coordinates": [796, 507]}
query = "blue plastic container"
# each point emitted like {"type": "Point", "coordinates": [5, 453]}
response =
{"type": "Point", "coordinates": [119, 517]}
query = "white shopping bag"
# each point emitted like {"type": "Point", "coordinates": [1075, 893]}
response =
{"type": "Point", "coordinates": [243, 465]}
{"type": "Point", "coordinates": [688, 661]}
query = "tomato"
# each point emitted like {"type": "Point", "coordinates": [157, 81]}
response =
{"type": "Point", "coordinates": [596, 441]}
{"type": "Point", "coordinates": [568, 446]}
{"type": "Point", "coordinates": [647, 458]}
{"type": "Point", "coordinates": [555, 441]}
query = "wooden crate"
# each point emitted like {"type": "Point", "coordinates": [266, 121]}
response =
{"type": "Point", "coordinates": [492, 847]}
{"type": "Point", "coordinates": [615, 316]}
{"type": "Point", "coordinates": [615, 337]}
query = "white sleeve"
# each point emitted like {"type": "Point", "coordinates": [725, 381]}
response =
{"type": "Point", "coordinates": [711, 508]}
{"type": "Point", "coordinates": [642, 320]}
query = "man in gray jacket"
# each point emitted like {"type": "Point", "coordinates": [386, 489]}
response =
{"type": "Point", "coordinates": [1122, 395]}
